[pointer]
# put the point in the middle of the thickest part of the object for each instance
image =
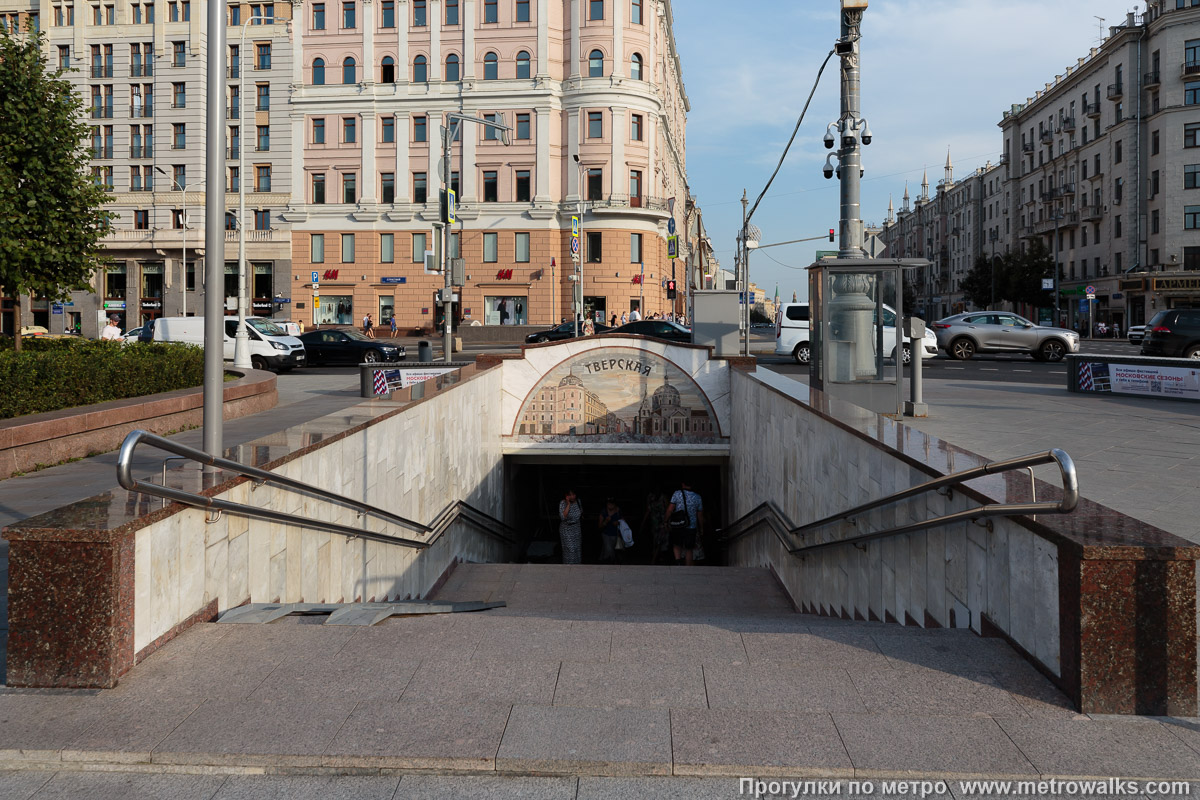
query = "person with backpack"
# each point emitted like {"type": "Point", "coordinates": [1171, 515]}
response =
{"type": "Point", "coordinates": [685, 521]}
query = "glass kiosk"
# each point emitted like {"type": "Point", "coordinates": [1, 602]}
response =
{"type": "Point", "coordinates": [857, 310]}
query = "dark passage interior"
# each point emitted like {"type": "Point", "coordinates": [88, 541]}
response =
{"type": "Point", "coordinates": [535, 485]}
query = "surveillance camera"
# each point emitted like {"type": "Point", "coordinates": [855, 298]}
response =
{"type": "Point", "coordinates": [829, 137]}
{"type": "Point", "coordinates": [828, 168]}
{"type": "Point", "coordinates": [848, 141]}
{"type": "Point", "coordinates": [866, 133]}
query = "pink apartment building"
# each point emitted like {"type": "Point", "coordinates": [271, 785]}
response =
{"type": "Point", "coordinates": [593, 93]}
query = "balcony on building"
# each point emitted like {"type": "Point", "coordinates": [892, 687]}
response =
{"type": "Point", "coordinates": [1116, 91]}
{"type": "Point", "coordinates": [142, 70]}
{"type": "Point", "coordinates": [1092, 110]}
{"type": "Point", "coordinates": [233, 112]}
{"type": "Point", "coordinates": [1189, 68]}
{"type": "Point", "coordinates": [141, 151]}
{"type": "Point", "coordinates": [233, 152]}
{"type": "Point", "coordinates": [1066, 188]}
{"type": "Point", "coordinates": [102, 112]}
{"type": "Point", "coordinates": [1047, 137]}
{"type": "Point", "coordinates": [1151, 79]}
{"type": "Point", "coordinates": [235, 71]}
{"type": "Point", "coordinates": [1068, 123]}
{"type": "Point", "coordinates": [102, 71]}
{"type": "Point", "coordinates": [142, 112]}
{"type": "Point", "coordinates": [1092, 213]}
{"type": "Point", "coordinates": [651, 207]}
{"type": "Point", "coordinates": [102, 153]}
{"type": "Point", "coordinates": [1027, 147]}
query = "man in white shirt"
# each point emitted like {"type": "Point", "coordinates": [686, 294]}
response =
{"type": "Point", "coordinates": [111, 332]}
{"type": "Point", "coordinates": [634, 315]}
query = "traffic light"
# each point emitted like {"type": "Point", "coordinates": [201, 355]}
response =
{"type": "Point", "coordinates": [670, 290]}
{"type": "Point", "coordinates": [831, 234]}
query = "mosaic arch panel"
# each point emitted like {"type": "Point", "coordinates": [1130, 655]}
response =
{"type": "Point", "coordinates": [617, 394]}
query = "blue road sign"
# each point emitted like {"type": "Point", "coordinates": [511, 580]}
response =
{"type": "Point", "coordinates": [315, 276]}
{"type": "Point", "coordinates": [671, 225]}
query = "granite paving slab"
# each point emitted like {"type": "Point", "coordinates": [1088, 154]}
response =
{"type": "Point", "coordinates": [906, 745]}
{"type": "Point", "coordinates": [125, 786]}
{"type": "Point", "coordinates": [308, 787]}
{"type": "Point", "coordinates": [586, 741]}
{"type": "Point", "coordinates": [1130, 747]}
{"type": "Point", "coordinates": [641, 641]}
{"type": "Point", "coordinates": [36, 725]}
{"type": "Point", "coordinates": [485, 787]}
{"type": "Point", "coordinates": [927, 692]}
{"type": "Point", "coordinates": [534, 640]}
{"type": "Point", "coordinates": [22, 784]}
{"type": "Point", "coordinates": [126, 730]}
{"type": "Point", "coordinates": [781, 687]}
{"type": "Point", "coordinates": [283, 731]}
{"type": "Point", "coordinates": [737, 742]}
{"type": "Point", "coordinates": [678, 788]}
{"type": "Point", "coordinates": [378, 674]}
{"type": "Point", "coordinates": [483, 681]}
{"type": "Point", "coordinates": [420, 736]}
{"type": "Point", "coordinates": [631, 685]}
{"type": "Point", "coordinates": [814, 650]}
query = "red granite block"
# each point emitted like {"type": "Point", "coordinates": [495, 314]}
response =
{"type": "Point", "coordinates": [70, 611]}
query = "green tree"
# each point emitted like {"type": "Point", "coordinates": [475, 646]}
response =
{"type": "Point", "coordinates": [977, 284]}
{"type": "Point", "coordinates": [1023, 273]}
{"type": "Point", "coordinates": [51, 211]}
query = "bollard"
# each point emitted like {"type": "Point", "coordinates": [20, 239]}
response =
{"type": "Point", "coordinates": [915, 331]}
{"type": "Point", "coordinates": [424, 352]}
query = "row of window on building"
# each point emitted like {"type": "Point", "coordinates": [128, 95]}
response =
{"type": "Point", "coordinates": [453, 68]}
{"type": "Point", "coordinates": [490, 13]}
{"type": "Point", "coordinates": [520, 253]}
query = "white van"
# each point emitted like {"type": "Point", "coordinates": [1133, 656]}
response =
{"type": "Point", "coordinates": [792, 337]}
{"type": "Point", "coordinates": [270, 346]}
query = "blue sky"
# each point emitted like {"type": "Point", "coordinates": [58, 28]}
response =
{"type": "Point", "coordinates": [936, 74]}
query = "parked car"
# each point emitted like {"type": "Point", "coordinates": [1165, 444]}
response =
{"type": "Point", "coordinates": [1174, 333]}
{"type": "Point", "coordinates": [560, 332]}
{"type": "Point", "coordinates": [132, 336]}
{"type": "Point", "coordinates": [1136, 333]}
{"type": "Point", "coordinates": [270, 347]}
{"type": "Point", "coordinates": [792, 334]}
{"type": "Point", "coordinates": [964, 335]}
{"type": "Point", "coordinates": [658, 328]}
{"type": "Point", "coordinates": [28, 331]}
{"type": "Point", "coordinates": [347, 346]}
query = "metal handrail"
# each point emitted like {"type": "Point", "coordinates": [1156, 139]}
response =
{"type": "Point", "coordinates": [260, 476]}
{"type": "Point", "coordinates": [1068, 503]}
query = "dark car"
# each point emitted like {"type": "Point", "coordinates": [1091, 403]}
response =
{"type": "Point", "coordinates": [560, 332]}
{"type": "Point", "coordinates": [1174, 333]}
{"type": "Point", "coordinates": [347, 346]}
{"type": "Point", "coordinates": [658, 328]}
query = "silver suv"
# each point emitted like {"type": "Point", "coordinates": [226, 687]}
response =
{"type": "Point", "coordinates": [964, 335]}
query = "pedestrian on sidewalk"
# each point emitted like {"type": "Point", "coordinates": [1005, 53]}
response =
{"type": "Point", "coordinates": [393, 326]}
{"type": "Point", "coordinates": [367, 326]}
{"type": "Point", "coordinates": [685, 521]}
{"type": "Point", "coordinates": [570, 532]}
{"type": "Point", "coordinates": [111, 332]}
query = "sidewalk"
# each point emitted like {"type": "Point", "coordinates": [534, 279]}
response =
{"type": "Point", "coordinates": [1138, 456]}
{"type": "Point", "coordinates": [630, 672]}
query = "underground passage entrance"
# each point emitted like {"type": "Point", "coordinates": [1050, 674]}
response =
{"type": "Point", "coordinates": [534, 485]}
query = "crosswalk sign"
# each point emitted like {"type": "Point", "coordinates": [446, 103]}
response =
{"type": "Point", "coordinates": [672, 247]}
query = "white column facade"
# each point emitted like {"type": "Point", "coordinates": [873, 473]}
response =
{"type": "Point", "coordinates": [403, 65]}
{"type": "Point", "coordinates": [436, 67]}
{"type": "Point", "coordinates": [573, 26]}
{"type": "Point", "coordinates": [367, 75]}
{"type": "Point", "coordinates": [543, 42]}
{"type": "Point", "coordinates": [468, 23]}
{"type": "Point", "coordinates": [368, 193]}
{"type": "Point", "coordinates": [574, 191]}
{"type": "Point", "coordinates": [620, 170]}
{"type": "Point", "coordinates": [542, 133]}
{"type": "Point", "coordinates": [618, 16]}
{"type": "Point", "coordinates": [401, 147]}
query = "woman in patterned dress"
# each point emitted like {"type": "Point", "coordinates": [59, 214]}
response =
{"type": "Point", "coordinates": [569, 514]}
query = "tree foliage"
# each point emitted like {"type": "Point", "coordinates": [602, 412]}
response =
{"type": "Point", "coordinates": [52, 213]}
{"type": "Point", "coordinates": [1023, 273]}
{"type": "Point", "coordinates": [977, 283]}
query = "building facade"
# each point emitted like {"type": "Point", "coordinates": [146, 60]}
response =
{"type": "Point", "coordinates": [1097, 166]}
{"type": "Point", "coordinates": [592, 94]}
{"type": "Point", "coordinates": [141, 69]}
{"type": "Point", "coordinates": [343, 157]}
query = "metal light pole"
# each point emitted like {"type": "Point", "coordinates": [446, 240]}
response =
{"type": "Point", "coordinates": [241, 340]}
{"type": "Point", "coordinates": [214, 238]}
{"type": "Point", "coordinates": [577, 289]}
{"type": "Point", "coordinates": [993, 236]}
{"type": "Point", "coordinates": [183, 190]}
{"type": "Point", "coordinates": [453, 122]}
{"type": "Point", "coordinates": [1056, 216]}
{"type": "Point", "coordinates": [850, 242]}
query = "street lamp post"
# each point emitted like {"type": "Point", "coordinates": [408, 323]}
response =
{"type": "Point", "coordinates": [183, 190]}
{"type": "Point", "coordinates": [993, 236]}
{"type": "Point", "coordinates": [449, 130]}
{"type": "Point", "coordinates": [241, 340]}
{"type": "Point", "coordinates": [577, 289]}
{"type": "Point", "coordinates": [214, 211]}
{"type": "Point", "coordinates": [1056, 216]}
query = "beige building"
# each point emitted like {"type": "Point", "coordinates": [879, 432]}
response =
{"type": "Point", "coordinates": [1101, 173]}
{"type": "Point", "coordinates": [592, 93]}
{"type": "Point", "coordinates": [140, 67]}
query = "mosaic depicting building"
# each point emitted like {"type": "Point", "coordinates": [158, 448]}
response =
{"type": "Point", "coordinates": [622, 399]}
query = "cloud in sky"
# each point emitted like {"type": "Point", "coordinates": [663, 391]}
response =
{"type": "Point", "coordinates": [936, 74]}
